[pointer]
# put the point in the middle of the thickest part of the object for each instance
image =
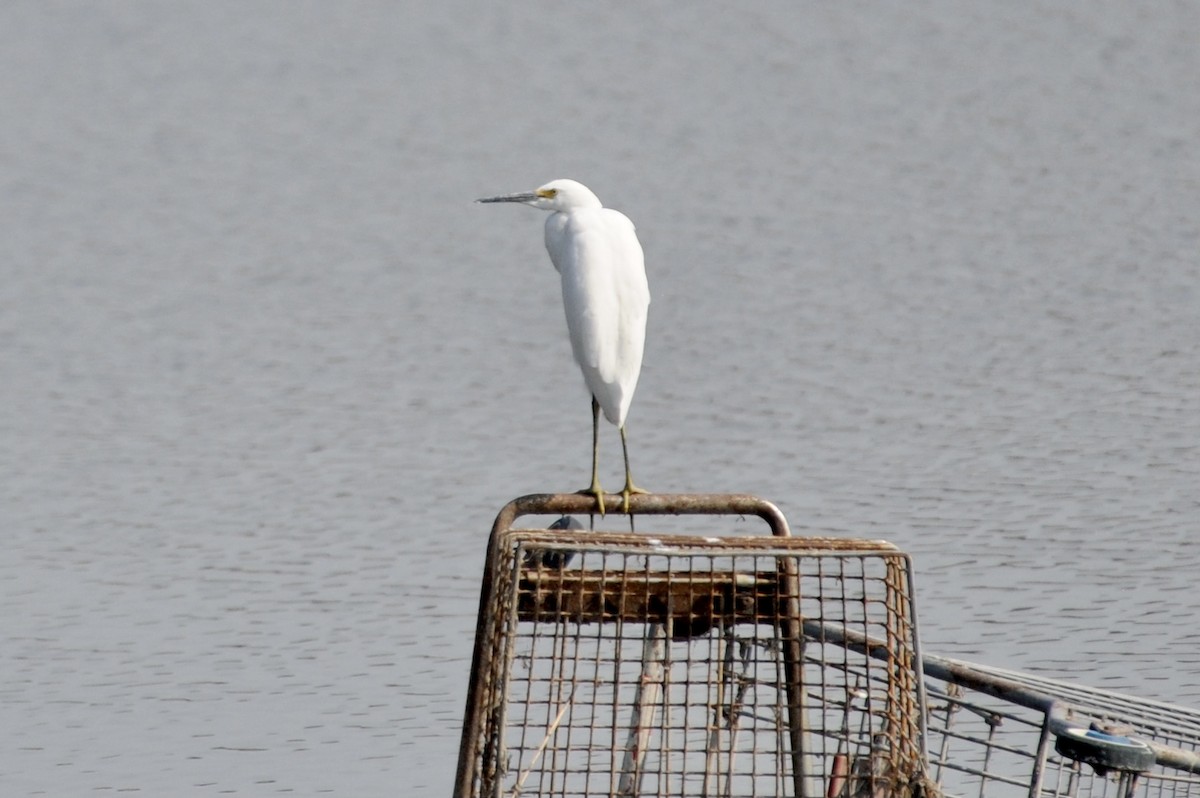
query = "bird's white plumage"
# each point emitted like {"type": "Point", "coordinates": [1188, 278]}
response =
{"type": "Point", "coordinates": [605, 296]}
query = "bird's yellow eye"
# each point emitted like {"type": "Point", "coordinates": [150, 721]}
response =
{"type": "Point", "coordinates": [547, 193]}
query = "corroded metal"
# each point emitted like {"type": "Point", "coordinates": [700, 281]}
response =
{"type": "Point", "coordinates": [1036, 708]}
{"type": "Point", "coordinates": [480, 695]}
{"type": "Point", "coordinates": [733, 504]}
{"type": "Point", "coordinates": [691, 604]}
{"type": "Point", "coordinates": [578, 671]}
{"type": "Point", "coordinates": [572, 666]}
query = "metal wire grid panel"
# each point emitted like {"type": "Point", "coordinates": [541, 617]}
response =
{"type": "Point", "coordinates": [992, 732]}
{"type": "Point", "coordinates": [693, 666]}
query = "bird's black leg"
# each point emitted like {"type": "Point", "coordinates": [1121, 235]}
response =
{"type": "Point", "coordinates": [595, 489]}
{"type": "Point", "coordinates": [630, 488]}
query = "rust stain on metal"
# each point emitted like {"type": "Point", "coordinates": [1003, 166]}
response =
{"type": "Point", "coordinates": [656, 663]}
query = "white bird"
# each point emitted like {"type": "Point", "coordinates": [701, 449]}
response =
{"type": "Point", "coordinates": [605, 295]}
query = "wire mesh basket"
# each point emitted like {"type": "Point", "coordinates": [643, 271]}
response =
{"type": "Point", "coordinates": [996, 732]}
{"type": "Point", "coordinates": [640, 664]}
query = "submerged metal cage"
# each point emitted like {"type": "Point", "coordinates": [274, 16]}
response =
{"type": "Point", "coordinates": [618, 664]}
{"type": "Point", "coordinates": [629, 664]}
{"type": "Point", "coordinates": [996, 732]}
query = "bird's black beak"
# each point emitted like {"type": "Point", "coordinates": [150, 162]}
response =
{"type": "Point", "coordinates": [525, 196]}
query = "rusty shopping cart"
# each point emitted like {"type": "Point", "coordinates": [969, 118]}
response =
{"type": "Point", "coordinates": [690, 664]}
{"type": "Point", "coordinates": [719, 664]}
{"type": "Point", "coordinates": [996, 732]}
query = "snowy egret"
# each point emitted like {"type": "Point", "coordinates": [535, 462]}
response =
{"type": "Point", "coordinates": [605, 295]}
{"type": "Point", "coordinates": [552, 558]}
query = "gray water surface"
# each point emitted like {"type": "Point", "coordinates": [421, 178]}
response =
{"type": "Point", "coordinates": [927, 274]}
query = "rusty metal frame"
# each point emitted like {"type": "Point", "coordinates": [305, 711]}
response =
{"type": "Point", "coordinates": [639, 504]}
{"type": "Point", "coordinates": [1052, 707]}
{"type": "Point", "coordinates": [1044, 706]}
{"type": "Point", "coordinates": [484, 703]}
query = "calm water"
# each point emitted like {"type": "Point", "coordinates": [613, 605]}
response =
{"type": "Point", "coordinates": [266, 374]}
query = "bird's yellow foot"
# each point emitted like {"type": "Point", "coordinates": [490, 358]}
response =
{"type": "Point", "coordinates": [629, 490]}
{"type": "Point", "coordinates": [598, 492]}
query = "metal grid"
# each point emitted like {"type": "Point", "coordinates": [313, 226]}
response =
{"type": "Point", "coordinates": [678, 665]}
{"type": "Point", "coordinates": [992, 732]}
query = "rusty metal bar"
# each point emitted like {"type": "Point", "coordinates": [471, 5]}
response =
{"type": "Point", "coordinates": [645, 504]}
{"type": "Point", "coordinates": [478, 697]}
{"type": "Point", "coordinates": [1056, 709]}
{"type": "Point", "coordinates": [1039, 762]}
{"type": "Point", "coordinates": [694, 602]}
{"type": "Point", "coordinates": [793, 663]}
{"type": "Point", "coordinates": [811, 546]}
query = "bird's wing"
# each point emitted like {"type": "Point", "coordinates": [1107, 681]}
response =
{"type": "Point", "coordinates": [579, 249]}
{"type": "Point", "coordinates": [632, 289]}
{"type": "Point", "coordinates": [605, 296]}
